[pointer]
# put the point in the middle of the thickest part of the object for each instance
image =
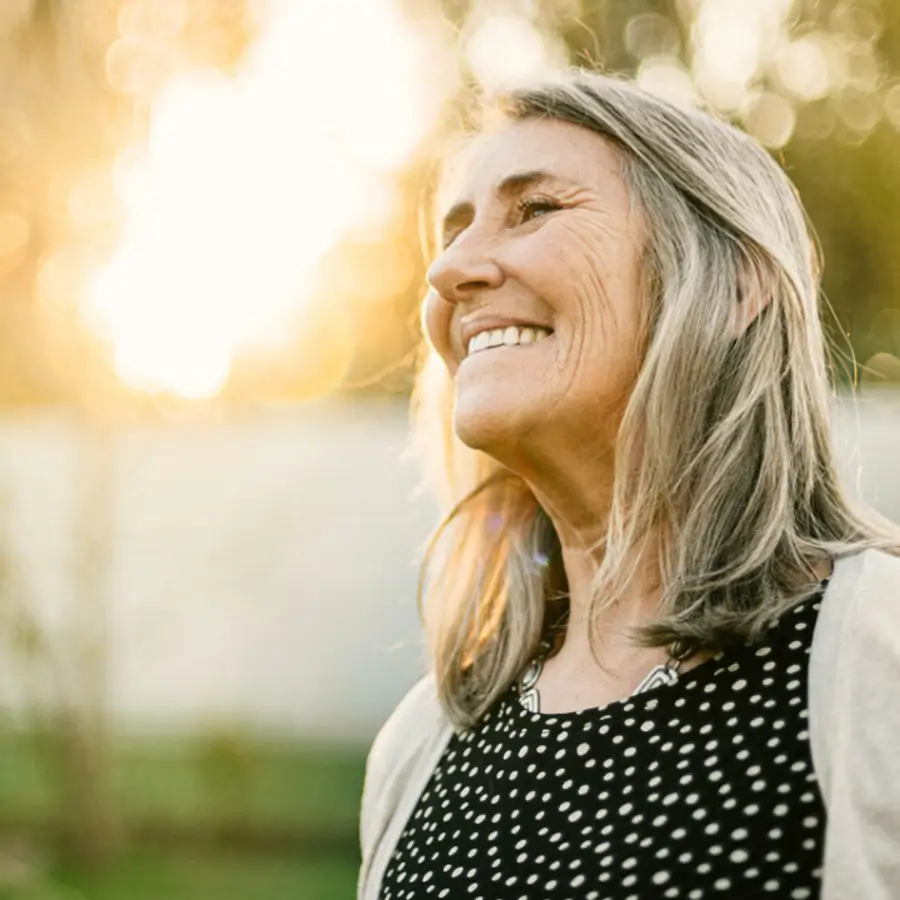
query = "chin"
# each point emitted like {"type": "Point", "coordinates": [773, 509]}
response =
{"type": "Point", "coordinates": [489, 424]}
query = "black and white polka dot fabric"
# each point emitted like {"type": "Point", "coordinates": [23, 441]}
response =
{"type": "Point", "coordinates": [704, 788]}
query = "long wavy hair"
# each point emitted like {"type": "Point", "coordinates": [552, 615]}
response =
{"type": "Point", "coordinates": [736, 479]}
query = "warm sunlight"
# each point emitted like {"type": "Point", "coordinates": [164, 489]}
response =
{"type": "Point", "coordinates": [732, 40]}
{"type": "Point", "coordinates": [246, 180]}
{"type": "Point", "coordinates": [501, 49]}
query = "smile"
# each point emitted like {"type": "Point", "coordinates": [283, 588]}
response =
{"type": "Point", "coordinates": [510, 336]}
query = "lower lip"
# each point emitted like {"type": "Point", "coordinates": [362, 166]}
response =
{"type": "Point", "coordinates": [507, 347]}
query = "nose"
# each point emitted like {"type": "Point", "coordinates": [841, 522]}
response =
{"type": "Point", "coordinates": [461, 271]}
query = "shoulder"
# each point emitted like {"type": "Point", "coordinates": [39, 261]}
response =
{"type": "Point", "coordinates": [854, 670]}
{"type": "Point", "coordinates": [415, 725]}
{"type": "Point", "coordinates": [867, 657]}
{"type": "Point", "coordinates": [877, 588]}
{"type": "Point", "coordinates": [855, 654]}
{"type": "Point", "coordinates": [414, 720]}
{"type": "Point", "coordinates": [865, 653]}
{"type": "Point", "coordinates": [864, 598]}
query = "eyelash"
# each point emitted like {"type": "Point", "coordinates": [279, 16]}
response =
{"type": "Point", "coordinates": [529, 204]}
{"type": "Point", "coordinates": [524, 206]}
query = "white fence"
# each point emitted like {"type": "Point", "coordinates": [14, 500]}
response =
{"type": "Point", "coordinates": [261, 572]}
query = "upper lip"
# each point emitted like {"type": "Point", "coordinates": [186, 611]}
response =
{"type": "Point", "coordinates": [477, 324]}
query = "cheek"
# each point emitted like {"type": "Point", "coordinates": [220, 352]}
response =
{"type": "Point", "coordinates": [591, 278]}
{"type": "Point", "coordinates": [593, 274]}
{"type": "Point", "coordinates": [436, 315]}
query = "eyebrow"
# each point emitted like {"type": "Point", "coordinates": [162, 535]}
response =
{"type": "Point", "coordinates": [512, 184]}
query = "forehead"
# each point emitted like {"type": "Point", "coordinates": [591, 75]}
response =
{"type": "Point", "coordinates": [568, 151]}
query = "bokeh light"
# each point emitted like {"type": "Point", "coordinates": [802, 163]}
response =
{"type": "Point", "coordinates": [667, 77]}
{"type": "Point", "coordinates": [651, 34]}
{"type": "Point", "coordinates": [771, 119]}
{"type": "Point", "coordinates": [247, 180]}
{"type": "Point", "coordinates": [730, 40]}
{"type": "Point", "coordinates": [501, 49]}
{"type": "Point", "coordinates": [858, 110]}
{"type": "Point", "coordinates": [803, 68]}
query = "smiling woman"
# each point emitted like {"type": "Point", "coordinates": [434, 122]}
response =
{"type": "Point", "coordinates": [625, 405]}
{"type": "Point", "coordinates": [515, 249]}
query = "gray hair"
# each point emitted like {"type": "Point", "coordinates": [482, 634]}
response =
{"type": "Point", "coordinates": [736, 477]}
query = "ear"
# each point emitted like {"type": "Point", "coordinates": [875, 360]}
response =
{"type": "Point", "coordinates": [747, 308]}
{"type": "Point", "coordinates": [753, 296]}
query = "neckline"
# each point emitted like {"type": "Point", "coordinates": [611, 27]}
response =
{"type": "Point", "coordinates": [624, 703]}
{"type": "Point", "coordinates": [715, 663]}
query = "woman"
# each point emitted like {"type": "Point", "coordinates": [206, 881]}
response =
{"type": "Point", "coordinates": [627, 403]}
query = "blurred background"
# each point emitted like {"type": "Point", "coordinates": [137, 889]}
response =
{"type": "Point", "coordinates": [210, 269]}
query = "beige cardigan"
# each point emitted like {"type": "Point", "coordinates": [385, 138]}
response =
{"type": "Point", "coordinates": [854, 713]}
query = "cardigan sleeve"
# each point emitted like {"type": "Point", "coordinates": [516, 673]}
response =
{"type": "Point", "coordinates": [398, 761]}
{"type": "Point", "coordinates": [862, 788]}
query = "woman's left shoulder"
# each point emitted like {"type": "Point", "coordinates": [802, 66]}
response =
{"type": "Point", "coordinates": [855, 725]}
{"type": "Point", "coordinates": [855, 655]}
{"type": "Point", "coordinates": [872, 619]}
{"type": "Point", "coordinates": [857, 635]}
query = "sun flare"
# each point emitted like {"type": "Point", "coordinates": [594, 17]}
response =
{"type": "Point", "coordinates": [246, 180]}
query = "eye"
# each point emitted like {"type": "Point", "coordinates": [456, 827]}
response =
{"type": "Point", "coordinates": [532, 207]}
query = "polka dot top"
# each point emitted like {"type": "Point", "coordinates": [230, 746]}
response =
{"type": "Point", "coordinates": [703, 788]}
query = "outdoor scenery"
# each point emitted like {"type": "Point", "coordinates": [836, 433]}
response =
{"type": "Point", "coordinates": [211, 260]}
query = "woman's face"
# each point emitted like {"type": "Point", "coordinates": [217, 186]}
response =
{"type": "Point", "coordinates": [539, 232]}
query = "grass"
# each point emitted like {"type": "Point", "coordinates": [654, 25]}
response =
{"type": "Point", "coordinates": [164, 877]}
{"type": "Point", "coordinates": [222, 817]}
{"type": "Point", "coordinates": [216, 778]}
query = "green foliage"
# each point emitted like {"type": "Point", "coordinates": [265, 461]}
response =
{"type": "Point", "coordinates": [221, 816]}
{"type": "Point", "coordinates": [208, 780]}
{"type": "Point", "coordinates": [156, 876]}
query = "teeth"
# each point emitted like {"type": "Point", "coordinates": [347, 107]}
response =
{"type": "Point", "coordinates": [479, 342]}
{"type": "Point", "coordinates": [508, 337]}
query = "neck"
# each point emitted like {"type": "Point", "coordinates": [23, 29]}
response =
{"type": "Point", "coordinates": [612, 625]}
{"type": "Point", "coordinates": [581, 556]}
{"type": "Point", "coordinates": [578, 503]}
